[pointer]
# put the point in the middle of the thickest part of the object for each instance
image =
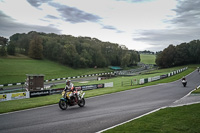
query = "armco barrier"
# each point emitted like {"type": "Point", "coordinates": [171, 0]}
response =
{"type": "Point", "coordinates": [58, 91]}
{"type": "Point", "coordinates": [22, 95]}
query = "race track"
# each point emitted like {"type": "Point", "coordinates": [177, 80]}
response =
{"type": "Point", "coordinates": [99, 113]}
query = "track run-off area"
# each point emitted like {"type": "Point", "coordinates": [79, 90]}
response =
{"type": "Point", "coordinates": [100, 112]}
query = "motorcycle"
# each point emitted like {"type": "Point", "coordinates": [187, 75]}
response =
{"type": "Point", "coordinates": [184, 82]}
{"type": "Point", "coordinates": [72, 98]}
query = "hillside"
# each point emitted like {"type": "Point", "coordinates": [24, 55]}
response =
{"type": "Point", "coordinates": [14, 69]}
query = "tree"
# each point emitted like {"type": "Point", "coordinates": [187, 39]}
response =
{"type": "Point", "coordinates": [36, 48]}
{"type": "Point", "coordinates": [86, 59]}
{"type": "Point", "coordinates": [182, 54]}
{"type": "Point", "coordinates": [159, 59]}
{"type": "Point", "coordinates": [3, 40]}
{"type": "Point", "coordinates": [125, 60]}
{"type": "Point", "coordinates": [3, 50]}
{"type": "Point", "coordinates": [133, 58]}
{"type": "Point", "coordinates": [72, 51]}
{"type": "Point", "coordinates": [194, 50]}
{"type": "Point", "coordinates": [166, 58]}
{"type": "Point", "coordinates": [11, 49]}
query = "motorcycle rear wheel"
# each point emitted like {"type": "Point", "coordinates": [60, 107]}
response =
{"type": "Point", "coordinates": [81, 102]}
{"type": "Point", "coordinates": [63, 105]}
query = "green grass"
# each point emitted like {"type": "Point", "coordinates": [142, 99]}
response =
{"type": "Point", "coordinates": [184, 119]}
{"type": "Point", "coordinates": [21, 104]}
{"type": "Point", "coordinates": [14, 70]}
{"type": "Point", "coordinates": [196, 91]}
{"type": "Point", "coordinates": [15, 105]}
{"type": "Point", "coordinates": [147, 58]}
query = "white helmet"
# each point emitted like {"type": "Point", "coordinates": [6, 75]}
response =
{"type": "Point", "coordinates": [68, 81]}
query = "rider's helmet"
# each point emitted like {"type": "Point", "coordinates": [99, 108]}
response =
{"type": "Point", "coordinates": [68, 82]}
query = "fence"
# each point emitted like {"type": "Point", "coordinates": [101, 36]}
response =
{"type": "Point", "coordinates": [150, 79]}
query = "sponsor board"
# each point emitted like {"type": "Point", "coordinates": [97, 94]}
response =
{"type": "Point", "coordinates": [56, 91]}
{"type": "Point", "coordinates": [155, 78]}
{"type": "Point", "coordinates": [108, 84]}
{"type": "Point", "coordinates": [89, 87]}
{"type": "Point", "coordinates": [20, 95]}
{"type": "Point", "coordinates": [39, 93]}
{"type": "Point", "coordinates": [163, 76]}
{"type": "Point", "coordinates": [149, 79]}
{"type": "Point", "coordinates": [14, 96]}
{"type": "Point", "coordinates": [2, 97]}
{"type": "Point", "coordinates": [141, 81]}
{"type": "Point", "coordinates": [100, 86]}
{"type": "Point", "coordinates": [78, 87]}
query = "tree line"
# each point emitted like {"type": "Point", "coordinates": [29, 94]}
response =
{"type": "Point", "coordinates": [182, 54]}
{"type": "Point", "coordinates": [77, 52]}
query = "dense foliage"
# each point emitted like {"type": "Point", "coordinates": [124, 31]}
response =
{"type": "Point", "coordinates": [78, 52]}
{"type": "Point", "coordinates": [185, 53]}
{"type": "Point", "coordinates": [3, 42]}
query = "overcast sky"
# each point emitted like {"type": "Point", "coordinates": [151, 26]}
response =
{"type": "Point", "coordinates": [138, 24]}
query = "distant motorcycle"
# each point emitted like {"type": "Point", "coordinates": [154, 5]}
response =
{"type": "Point", "coordinates": [71, 98]}
{"type": "Point", "coordinates": [184, 82]}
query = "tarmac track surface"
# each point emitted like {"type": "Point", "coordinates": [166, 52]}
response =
{"type": "Point", "coordinates": [100, 112]}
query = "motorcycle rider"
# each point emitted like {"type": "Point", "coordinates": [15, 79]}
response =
{"type": "Point", "coordinates": [69, 85]}
{"type": "Point", "coordinates": [184, 81]}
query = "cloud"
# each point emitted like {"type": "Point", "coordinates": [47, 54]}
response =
{"type": "Point", "coordinates": [9, 27]}
{"type": "Point", "coordinates": [168, 36]}
{"type": "Point", "coordinates": [109, 27]}
{"type": "Point", "coordinates": [184, 27]}
{"type": "Point", "coordinates": [188, 13]}
{"type": "Point", "coordinates": [74, 15]}
{"type": "Point", "coordinates": [67, 13]}
{"type": "Point", "coordinates": [52, 17]}
{"type": "Point", "coordinates": [37, 3]}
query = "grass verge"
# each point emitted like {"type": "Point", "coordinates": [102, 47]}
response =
{"type": "Point", "coordinates": [183, 119]}
{"type": "Point", "coordinates": [197, 91]}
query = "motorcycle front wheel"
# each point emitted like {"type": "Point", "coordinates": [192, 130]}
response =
{"type": "Point", "coordinates": [63, 105]}
{"type": "Point", "coordinates": [81, 102]}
